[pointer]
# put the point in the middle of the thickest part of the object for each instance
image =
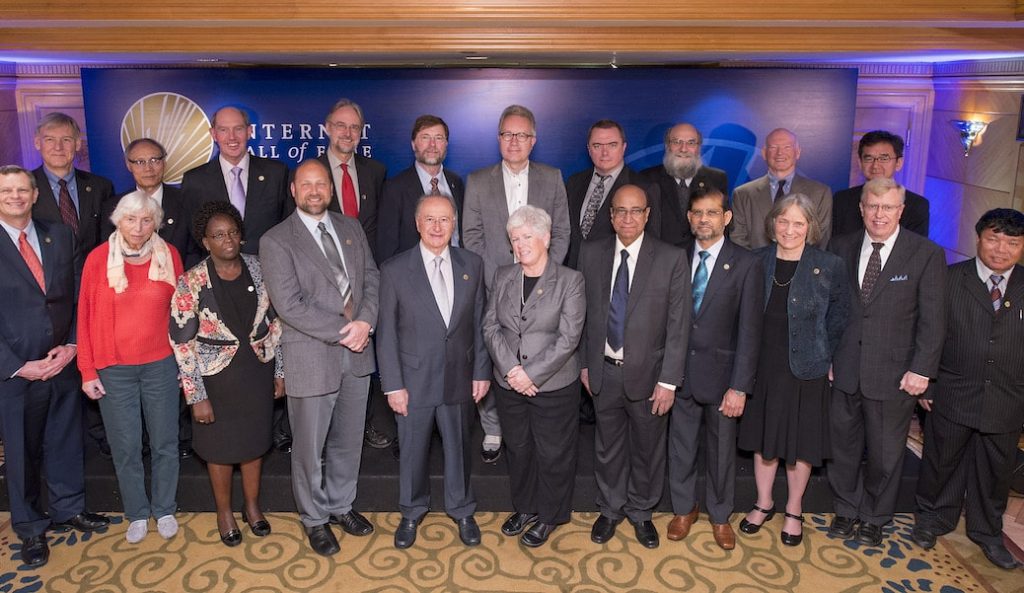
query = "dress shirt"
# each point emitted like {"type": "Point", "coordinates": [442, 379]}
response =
{"type": "Point", "coordinates": [713, 252]}
{"type": "Point", "coordinates": [54, 182]}
{"type": "Point", "coordinates": [634, 252]}
{"type": "Point", "coordinates": [594, 180]}
{"type": "Point", "coordinates": [31, 235]}
{"type": "Point", "coordinates": [442, 183]}
{"type": "Point", "coordinates": [517, 186]}
{"type": "Point", "coordinates": [338, 175]}
{"type": "Point", "coordinates": [158, 195]}
{"type": "Point", "coordinates": [787, 181]}
{"type": "Point", "coordinates": [984, 273]}
{"type": "Point", "coordinates": [446, 269]}
{"type": "Point", "coordinates": [865, 254]}
{"type": "Point", "coordinates": [225, 168]}
{"type": "Point", "coordinates": [311, 224]}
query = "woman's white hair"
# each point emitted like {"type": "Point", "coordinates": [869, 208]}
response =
{"type": "Point", "coordinates": [134, 203]}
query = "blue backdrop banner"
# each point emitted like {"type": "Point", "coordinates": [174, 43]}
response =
{"type": "Point", "coordinates": [734, 108]}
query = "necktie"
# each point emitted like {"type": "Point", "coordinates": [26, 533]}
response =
{"type": "Point", "coordinates": [684, 196]}
{"type": "Point", "coordinates": [31, 260]}
{"type": "Point", "coordinates": [440, 290]}
{"type": "Point", "coordinates": [334, 258]}
{"type": "Point", "coordinates": [349, 204]}
{"type": "Point", "coordinates": [700, 281]}
{"type": "Point", "coordinates": [617, 310]}
{"type": "Point", "coordinates": [237, 193]}
{"type": "Point", "coordinates": [872, 271]}
{"type": "Point", "coordinates": [433, 187]}
{"type": "Point", "coordinates": [68, 215]}
{"type": "Point", "coordinates": [781, 192]}
{"type": "Point", "coordinates": [997, 295]}
{"type": "Point", "coordinates": [593, 205]}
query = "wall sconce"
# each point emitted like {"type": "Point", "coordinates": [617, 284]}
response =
{"type": "Point", "coordinates": [970, 131]}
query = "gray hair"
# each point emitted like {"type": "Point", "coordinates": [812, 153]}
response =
{"type": "Point", "coordinates": [57, 118]}
{"type": "Point", "coordinates": [538, 220]}
{"type": "Point", "coordinates": [425, 197]}
{"type": "Point", "coordinates": [16, 170]}
{"type": "Point", "coordinates": [521, 112]}
{"type": "Point", "coordinates": [242, 112]}
{"type": "Point", "coordinates": [343, 102]}
{"type": "Point", "coordinates": [141, 141]}
{"type": "Point", "coordinates": [806, 207]}
{"type": "Point", "coordinates": [880, 186]}
{"type": "Point", "coordinates": [135, 203]}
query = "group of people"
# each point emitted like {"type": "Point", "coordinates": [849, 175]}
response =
{"type": "Point", "coordinates": [801, 326]}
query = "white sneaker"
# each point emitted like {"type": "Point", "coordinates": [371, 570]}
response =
{"type": "Point", "coordinates": [137, 531]}
{"type": "Point", "coordinates": [167, 526]}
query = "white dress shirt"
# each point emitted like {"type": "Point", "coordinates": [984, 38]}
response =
{"type": "Point", "coordinates": [866, 249]}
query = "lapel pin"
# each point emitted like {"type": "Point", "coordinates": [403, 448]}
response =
{"type": "Point", "coordinates": [700, 184]}
{"type": "Point", "coordinates": [48, 240]}
{"type": "Point", "coordinates": [725, 267]}
{"type": "Point", "coordinates": [540, 291]}
{"type": "Point", "coordinates": [250, 289]}
{"type": "Point", "coordinates": [363, 196]}
{"type": "Point", "coordinates": [465, 276]}
{"type": "Point", "coordinates": [170, 221]}
{"type": "Point", "coordinates": [261, 178]}
{"type": "Point", "coordinates": [1005, 303]}
{"type": "Point", "coordinates": [816, 271]}
{"type": "Point", "coordinates": [348, 241]}
{"type": "Point", "coordinates": [88, 188]}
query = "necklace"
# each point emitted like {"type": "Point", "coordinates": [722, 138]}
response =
{"type": "Point", "coordinates": [781, 284]}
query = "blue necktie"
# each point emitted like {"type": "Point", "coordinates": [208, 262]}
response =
{"type": "Point", "coordinates": [700, 281]}
{"type": "Point", "coordinates": [617, 310]}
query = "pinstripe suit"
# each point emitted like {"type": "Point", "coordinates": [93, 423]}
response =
{"type": "Point", "coordinates": [971, 434]}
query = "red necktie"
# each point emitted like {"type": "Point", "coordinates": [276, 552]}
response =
{"type": "Point", "coordinates": [349, 205]}
{"type": "Point", "coordinates": [31, 260]}
{"type": "Point", "coordinates": [68, 215]}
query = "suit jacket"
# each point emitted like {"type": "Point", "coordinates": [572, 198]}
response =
{"type": "Point", "coordinates": [900, 327]}
{"type": "Point", "coordinates": [437, 364]}
{"type": "Point", "coordinates": [486, 213]}
{"type": "Point", "coordinates": [981, 373]}
{"type": "Point", "coordinates": [93, 191]}
{"type": "Point", "coordinates": [752, 201]}
{"type": "Point", "coordinates": [542, 335]}
{"type": "Point", "coordinates": [371, 174]}
{"type": "Point", "coordinates": [176, 228]}
{"type": "Point", "coordinates": [725, 336]}
{"type": "Point", "coordinates": [846, 217]}
{"type": "Point", "coordinates": [31, 322]}
{"type": "Point", "coordinates": [305, 295]}
{"type": "Point", "coordinates": [267, 200]}
{"type": "Point", "coordinates": [396, 227]}
{"type": "Point", "coordinates": [576, 191]}
{"type": "Point", "coordinates": [675, 227]}
{"type": "Point", "coordinates": [658, 314]}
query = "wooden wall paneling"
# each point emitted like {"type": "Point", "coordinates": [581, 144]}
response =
{"type": "Point", "coordinates": [39, 96]}
{"type": "Point", "coordinates": [880, 101]}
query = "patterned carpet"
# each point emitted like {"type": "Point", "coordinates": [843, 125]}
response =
{"type": "Point", "coordinates": [196, 561]}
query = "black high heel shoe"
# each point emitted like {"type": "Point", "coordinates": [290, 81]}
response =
{"type": "Point", "coordinates": [260, 528]}
{"type": "Point", "coordinates": [232, 538]}
{"type": "Point", "coordinates": [788, 539]}
{"type": "Point", "coordinates": [752, 528]}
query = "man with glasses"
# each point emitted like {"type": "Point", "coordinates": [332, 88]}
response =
{"type": "Point", "coordinates": [492, 194]}
{"type": "Point", "coordinates": [589, 190]}
{"type": "Point", "coordinates": [396, 230]}
{"type": "Point", "coordinates": [752, 201]}
{"type": "Point", "coordinates": [681, 173]}
{"type": "Point", "coordinates": [880, 154]}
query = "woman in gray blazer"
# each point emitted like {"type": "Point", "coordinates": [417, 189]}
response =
{"type": "Point", "coordinates": [806, 306]}
{"type": "Point", "coordinates": [532, 328]}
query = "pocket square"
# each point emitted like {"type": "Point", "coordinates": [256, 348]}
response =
{"type": "Point", "coordinates": [900, 278]}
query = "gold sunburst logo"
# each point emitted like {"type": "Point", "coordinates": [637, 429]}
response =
{"type": "Point", "coordinates": [176, 122]}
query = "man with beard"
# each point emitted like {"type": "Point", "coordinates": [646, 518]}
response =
{"type": "Point", "coordinates": [396, 229]}
{"type": "Point", "coordinates": [681, 173]}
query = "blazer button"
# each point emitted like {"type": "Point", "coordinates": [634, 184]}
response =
{"type": "Point", "coordinates": [525, 357]}
{"type": "Point", "coordinates": [693, 352]}
{"type": "Point", "coordinates": [524, 318]}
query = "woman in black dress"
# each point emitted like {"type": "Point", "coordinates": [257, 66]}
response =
{"type": "Point", "coordinates": [806, 311]}
{"type": "Point", "coordinates": [225, 337]}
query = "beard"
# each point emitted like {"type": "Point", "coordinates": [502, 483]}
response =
{"type": "Point", "coordinates": [680, 168]}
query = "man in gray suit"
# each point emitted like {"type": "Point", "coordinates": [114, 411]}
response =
{"type": "Point", "coordinates": [322, 280]}
{"type": "Point", "coordinates": [887, 356]}
{"type": "Point", "coordinates": [492, 194]}
{"type": "Point", "coordinates": [634, 354]}
{"type": "Point", "coordinates": [433, 364]}
{"type": "Point", "coordinates": [752, 201]}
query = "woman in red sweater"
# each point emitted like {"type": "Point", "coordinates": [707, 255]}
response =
{"type": "Point", "coordinates": [126, 359]}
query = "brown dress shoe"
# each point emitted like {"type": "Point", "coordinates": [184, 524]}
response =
{"type": "Point", "coordinates": [679, 526]}
{"type": "Point", "coordinates": [725, 537]}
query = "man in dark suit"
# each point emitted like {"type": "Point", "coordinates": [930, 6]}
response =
{"type": "Point", "coordinates": [887, 356]}
{"type": "Point", "coordinates": [880, 154]}
{"type": "Point", "coordinates": [752, 201]}
{"type": "Point", "coordinates": [320, 275]}
{"type": "Point", "coordinates": [67, 194]}
{"type": "Point", "coordinates": [977, 405]}
{"type": "Point", "coordinates": [634, 353]}
{"type": "Point", "coordinates": [588, 190]}
{"type": "Point", "coordinates": [682, 172]}
{"type": "Point", "coordinates": [433, 364]}
{"type": "Point", "coordinates": [725, 337]}
{"type": "Point", "coordinates": [40, 405]}
{"type": "Point", "coordinates": [357, 181]}
{"type": "Point", "coordinates": [396, 230]}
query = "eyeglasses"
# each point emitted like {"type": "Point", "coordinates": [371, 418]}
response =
{"type": "Point", "coordinates": [628, 212]}
{"type": "Point", "coordinates": [234, 234]}
{"type": "Point", "coordinates": [708, 213]}
{"type": "Point", "coordinates": [679, 143]}
{"type": "Point", "coordinates": [354, 128]}
{"type": "Point", "coordinates": [427, 139]}
{"type": "Point", "coordinates": [597, 146]}
{"type": "Point", "coordinates": [882, 158]}
{"type": "Point", "coordinates": [439, 220]}
{"type": "Point", "coordinates": [520, 136]}
{"type": "Point", "coordinates": [885, 208]}
{"type": "Point", "coordinates": [151, 161]}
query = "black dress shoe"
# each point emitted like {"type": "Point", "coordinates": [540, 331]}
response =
{"type": "Point", "coordinates": [83, 521]}
{"type": "Point", "coordinates": [646, 534]}
{"type": "Point", "coordinates": [752, 528]}
{"type": "Point", "coordinates": [469, 532]}
{"type": "Point", "coordinates": [996, 553]}
{"type": "Point", "coordinates": [603, 530]}
{"type": "Point", "coordinates": [869, 535]}
{"type": "Point", "coordinates": [537, 535]}
{"type": "Point", "coordinates": [790, 539]}
{"type": "Point", "coordinates": [490, 456]}
{"type": "Point", "coordinates": [405, 535]}
{"type": "Point", "coordinates": [232, 538]}
{"type": "Point", "coordinates": [353, 523]}
{"type": "Point", "coordinates": [923, 537]}
{"type": "Point", "coordinates": [260, 528]}
{"type": "Point", "coordinates": [34, 551]}
{"type": "Point", "coordinates": [517, 522]}
{"type": "Point", "coordinates": [185, 452]}
{"type": "Point", "coordinates": [283, 443]}
{"type": "Point", "coordinates": [322, 540]}
{"type": "Point", "coordinates": [375, 438]}
{"type": "Point", "coordinates": [842, 527]}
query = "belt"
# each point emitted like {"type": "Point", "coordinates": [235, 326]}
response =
{"type": "Point", "coordinates": [613, 361]}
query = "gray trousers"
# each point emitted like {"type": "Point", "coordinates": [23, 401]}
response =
{"type": "Point", "coordinates": [720, 446]}
{"type": "Point", "coordinates": [415, 432]}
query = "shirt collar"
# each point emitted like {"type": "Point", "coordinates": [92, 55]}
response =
{"type": "Point", "coordinates": [54, 179]}
{"type": "Point", "coordinates": [984, 273]}
{"type": "Point", "coordinates": [311, 223]}
{"type": "Point", "coordinates": [426, 177]}
{"type": "Point", "coordinates": [428, 255]}
{"type": "Point", "coordinates": [226, 166]}
{"type": "Point", "coordinates": [633, 250]}
{"type": "Point", "coordinates": [508, 171]}
{"type": "Point", "coordinates": [15, 233]}
{"type": "Point", "coordinates": [887, 244]}
{"type": "Point", "coordinates": [714, 250]}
